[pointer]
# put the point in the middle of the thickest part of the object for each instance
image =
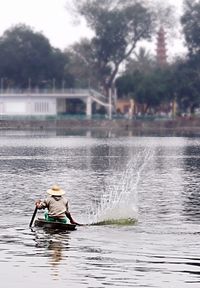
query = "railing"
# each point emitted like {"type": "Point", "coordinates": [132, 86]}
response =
{"type": "Point", "coordinates": [51, 117]}
{"type": "Point", "coordinates": [44, 91]}
{"type": "Point", "coordinates": [98, 94]}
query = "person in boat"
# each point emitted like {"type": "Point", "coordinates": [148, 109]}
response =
{"type": "Point", "coordinates": [57, 206]}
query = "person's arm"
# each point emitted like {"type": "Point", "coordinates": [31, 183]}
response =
{"type": "Point", "coordinates": [69, 216]}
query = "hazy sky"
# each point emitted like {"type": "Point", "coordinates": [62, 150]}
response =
{"type": "Point", "coordinates": [47, 16]}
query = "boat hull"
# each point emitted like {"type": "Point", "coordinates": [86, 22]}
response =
{"type": "Point", "coordinates": [54, 225]}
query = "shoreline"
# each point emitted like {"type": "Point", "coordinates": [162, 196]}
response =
{"type": "Point", "coordinates": [179, 126]}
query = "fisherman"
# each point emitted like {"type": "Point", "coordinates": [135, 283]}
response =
{"type": "Point", "coordinates": [57, 206]}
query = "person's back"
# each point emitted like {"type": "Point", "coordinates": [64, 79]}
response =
{"type": "Point", "coordinates": [57, 206]}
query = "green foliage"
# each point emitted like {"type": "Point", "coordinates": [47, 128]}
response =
{"type": "Point", "coordinates": [187, 73]}
{"type": "Point", "coordinates": [142, 61]}
{"type": "Point", "coordinates": [26, 55]}
{"type": "Point", "coordinates": [82, 64]}
{"type": "Point", "coordinates": [127, 83]}
{"type": "Point", "coordinates": [118, 26]}
{"type": "Point", "coordinates": [187, 83]}
{"type": "Point", "coordinates": [180, 81]}
{"type": "Point", "coordinates": [152, 88]}
{"type": "Point", "coordinates": [191, 25]}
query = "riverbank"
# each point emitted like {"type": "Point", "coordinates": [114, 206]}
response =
{"type": "Point", "coordinates": [179, 126]}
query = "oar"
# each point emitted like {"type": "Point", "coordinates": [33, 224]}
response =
{"type": "Point", "coordinates": [33, 217]}
{"type": "Point", "coordinates": [79, 224]}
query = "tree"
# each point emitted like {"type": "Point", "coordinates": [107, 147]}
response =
{"type": "Point", "coordinates": [142, 61]}
{"type": "Point", "coordinates": [152, 89]}
{"type": "Point", "coordinates": [191, 25]}
{"type": "Point", "coordinates": [26, 55]}
{"type": "Point", "coordinates": [118, 27]}
{"type": "Point", "coordinates": [126, 84]}
{"type": "Point", "coordinates": [80, 64]}
{"type": "Point", "coordinates": [186, 83]}
{"type": "Point", "coordinates": [188, 71]}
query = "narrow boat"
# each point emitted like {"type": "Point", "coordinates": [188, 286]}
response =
{"type": "Point", "coordinates": [53, 225]}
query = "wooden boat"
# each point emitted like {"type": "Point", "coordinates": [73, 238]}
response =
{"type": "Point", "coordinates": [53, 225]}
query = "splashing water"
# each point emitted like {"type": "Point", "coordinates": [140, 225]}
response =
{"type": "Point", "coordinates": [118, 205]}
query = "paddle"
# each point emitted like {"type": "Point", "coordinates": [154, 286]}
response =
{"type": "Point", "coordinates": [78, 224]}
{"type": "Point", "coordinates": [33, 217]}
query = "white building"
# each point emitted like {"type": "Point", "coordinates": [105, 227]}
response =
{"type": "Point", "coordinates": [45, 103]}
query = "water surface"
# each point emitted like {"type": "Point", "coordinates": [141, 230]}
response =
{"type": "Point", "coordinates": [152, 179]}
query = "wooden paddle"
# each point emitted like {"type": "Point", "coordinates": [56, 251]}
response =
{"type": "Point", "coordinates": [33, 217]}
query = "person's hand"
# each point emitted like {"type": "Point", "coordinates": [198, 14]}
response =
{"type": "Point", "coordinates": [73, 222]}
{"type": "Point", "coordinates": [37, 203]}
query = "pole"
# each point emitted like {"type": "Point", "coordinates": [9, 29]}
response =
{"type": "Point", "coordinates": [1, 85]}
{"type": "Point", "coordinates": [89, 107]}
{"type": "Point", "coordinates": [33, 216]}
{"type": "Point", "coordinates": [29, 84]}
{"type": "Point", "coordinates": [110, 103]}
{"type": "Point", "coordinates": [54, 84]}
{"type": "Point", "coordinates": [63, 85]}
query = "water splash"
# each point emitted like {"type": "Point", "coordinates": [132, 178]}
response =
{"type": "Point", "coordinates": [118, 204]}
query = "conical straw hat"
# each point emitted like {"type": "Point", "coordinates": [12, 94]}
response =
{"type": "Point", "coordinates": [56, 191]}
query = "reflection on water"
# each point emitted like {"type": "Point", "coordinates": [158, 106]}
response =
{"type": "Point", "coordinates": [53, 242]}
{"type": "Point", "coordinates": [153, 179]}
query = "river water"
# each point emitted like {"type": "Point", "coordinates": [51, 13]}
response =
{"type": "Point", "coordinates": [146, 189]}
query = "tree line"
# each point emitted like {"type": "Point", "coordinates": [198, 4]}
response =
{"type": "Point", "coordinates": [149, 84]}
{"type": "Point", "coordinates": [27, 58]}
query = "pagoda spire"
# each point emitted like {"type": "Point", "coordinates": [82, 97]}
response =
{"type": "Point", "coordinates": [161, 51]}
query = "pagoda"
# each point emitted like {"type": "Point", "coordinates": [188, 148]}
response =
{"type": "Point", "coordinates": [161, 51]}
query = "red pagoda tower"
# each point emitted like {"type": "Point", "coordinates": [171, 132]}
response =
{"type": "Point", "coordinates": [161, 51]}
